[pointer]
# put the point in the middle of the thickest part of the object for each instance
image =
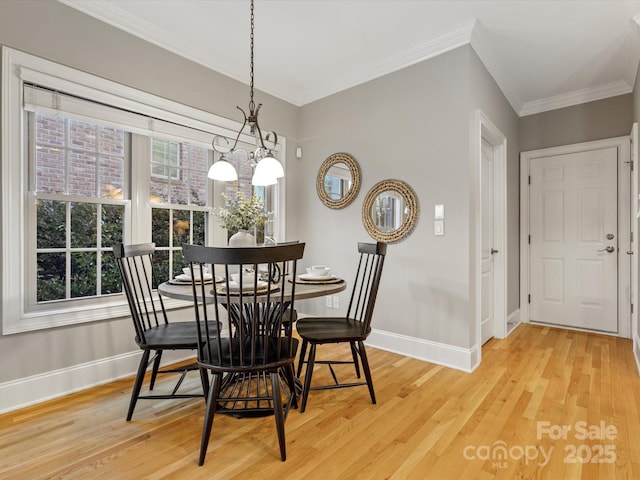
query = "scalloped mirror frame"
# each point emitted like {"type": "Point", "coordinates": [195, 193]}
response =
{"type": "Point", "coordinates": [354, 168]}
{"type": "Point", "coordinates": [412, 206]}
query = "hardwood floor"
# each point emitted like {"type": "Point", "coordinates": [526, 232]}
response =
{"type": "Point", "coordinates": [523, 413]}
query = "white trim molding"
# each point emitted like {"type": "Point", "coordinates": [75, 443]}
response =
{"type": "Point", "coordinates": [576, 97]}
{"type": "Point", "coordinates": [513, 320]}
{"type": "Point", "coordinates": [483, 128]}
{"type": "Point", "coordinates": [465, 359]}
{"type": "Point", "coordinates": [636, 350]}
{"type": "Point", "coordinates": [23, 392]}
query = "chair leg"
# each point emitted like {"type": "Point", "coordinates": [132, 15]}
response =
{"type": "Point", "coordinates": [307, 377]}
{"type": "Point", "coordinates": [212, 401]}
{"type": "Point", "coordinates": [303, 352]}
{"type": "Point", "coordinates": [137, 385]}
{"type": "Point", "coordinates": [204, 378]}
{"type": "Point", "coordinates": [278, 413]}
{"type": "Point", "coordinates": [291, 381]}
{"type": "Point", "coordinates": [354, 354]}
{"type": "Point", "coordinates": [367, 371]}
{"type": "Point", "coordinates": [156, 367]}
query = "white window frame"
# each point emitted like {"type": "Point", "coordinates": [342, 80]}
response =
{"type": "Point", "coordinates": [19, 67]}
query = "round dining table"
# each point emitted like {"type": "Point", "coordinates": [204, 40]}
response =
{"type": "Point", "coordinates": [304, 290]}
{"type": "Point", "coordinates": [242, 382]}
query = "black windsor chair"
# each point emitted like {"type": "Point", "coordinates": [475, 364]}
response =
{"type": "Point", "coordinates": [353, 329]}
{"type": "Point", "coordinates": [252, 358]}
{"type": "Point", "coordinates": [153, 331]}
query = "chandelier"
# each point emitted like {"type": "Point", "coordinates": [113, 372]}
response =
{"type": "Point", "coordinates": [267, 168]}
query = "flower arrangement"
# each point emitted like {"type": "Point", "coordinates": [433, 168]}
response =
{"type": "Point", "coordinates": [238, 214]}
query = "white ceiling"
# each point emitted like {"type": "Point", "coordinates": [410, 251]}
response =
{"type": "Point", "coordinates": [543, 54]}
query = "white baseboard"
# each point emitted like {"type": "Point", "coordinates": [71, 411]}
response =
{"type": "Point", "coordinates": [23, 392]}
{"type": "Point", "coordinates": [513, 321]}
{"type": "Point", "coordinates": [465, 359]}
{"type": "Point", "coordinates": [27, 391]}
{"type": "Point", "coordinates": [636, 350]}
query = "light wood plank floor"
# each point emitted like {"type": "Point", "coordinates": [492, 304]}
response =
{"type": "Point", "coordinates": [523, 413]}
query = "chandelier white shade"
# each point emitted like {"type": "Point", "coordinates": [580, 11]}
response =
{"type": "Point", "coordinates": [222, 170]}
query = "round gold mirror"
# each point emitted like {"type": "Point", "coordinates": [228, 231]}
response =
{"type": "Point", "coordinates": [338, 181]}
{"type": "Point", "coordinates": [390, 211]}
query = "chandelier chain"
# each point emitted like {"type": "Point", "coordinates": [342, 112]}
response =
{"type": "Point", "coordinates": [251, 102]}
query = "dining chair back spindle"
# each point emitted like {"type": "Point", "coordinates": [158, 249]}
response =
{"type": "Point", "coordinates": [251, 359]}
{"type": "Point", "coordinates": [352, 329]}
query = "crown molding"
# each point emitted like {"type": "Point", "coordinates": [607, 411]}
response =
{"type": "Point", "coordinates": [612, 89]}
{"type": "Point", "coordinates": [491, 61]}
{"type": "Point", "coordinates": [633, 49]}
{"type": "Point", "coordinates": [108, 12]}
{"type": "Point", "coordinates": [470, 32]}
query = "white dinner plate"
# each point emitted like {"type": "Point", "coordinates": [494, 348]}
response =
{"type": "Point", "coordinates": [316, 278]}
{"type": "Point", "coordinates": [187, 278]}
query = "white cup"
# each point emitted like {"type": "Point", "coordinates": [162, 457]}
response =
{"type": "Point", "coordinates": [196, 271]}
{"type": "Point", "coordinates": [319, 270]}
{"type": "Point", "coordinates": [247, 278]}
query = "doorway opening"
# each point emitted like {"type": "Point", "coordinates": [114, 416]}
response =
{"type": "Point", "coordinates": [491, 246]}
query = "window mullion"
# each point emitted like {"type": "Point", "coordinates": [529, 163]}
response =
{"type": "Point", "coordinates": [99, 249]}
{"type": "Point", "coordinates": [68, 250]}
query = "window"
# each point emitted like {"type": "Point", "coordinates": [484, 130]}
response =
{"type": "Point", "coordinates": [87, 163]}
{"type": "Point", "coordinates": [179, 203]}
{"type": "Point", "coordinates": [79, 176]}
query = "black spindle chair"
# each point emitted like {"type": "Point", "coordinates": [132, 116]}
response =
{"type": "Point", "coordinates": [252, 358]}
{"type": "Point", "coordinates": [153, 331]}
{"type": "Point", "coordinates": [354, 328]}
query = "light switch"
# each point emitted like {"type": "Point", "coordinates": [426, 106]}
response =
{"type": "Point", "coordinates": [438, 227]}
{"type": "Point", "coordinates": [438, 213]}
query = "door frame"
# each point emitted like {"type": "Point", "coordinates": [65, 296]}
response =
{"type": "Point", "coordinates": [488, 131]}
{"type": "Point", "coordinates": [624, 224]}
{"type": "Point", "coordinates": [635, 213]}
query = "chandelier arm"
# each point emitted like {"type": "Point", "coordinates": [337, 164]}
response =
{"type": "Point", "coordinates": [275, 139]}
{"type": "Point", "coordinates": [244, 123]}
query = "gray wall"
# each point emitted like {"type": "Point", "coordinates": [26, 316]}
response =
{"type": "Point", "coordinates": [413, 125]}
{"type": "Point", "coordinates": [61, 34]}
{"type": "Point", "coordinates": [410, 125]}
{"type": "Point", "coordinates": [611, 117]}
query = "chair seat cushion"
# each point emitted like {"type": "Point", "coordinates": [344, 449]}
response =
{"type": "Point", "coordinates": [176, 335]}
{"type": "Point", "coordinates": [330, 329]}
{"type": "Point", "coordinates": [275, 355]}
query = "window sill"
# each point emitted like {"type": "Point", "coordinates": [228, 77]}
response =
{"type": "Point", "coordinates": [61, 317]}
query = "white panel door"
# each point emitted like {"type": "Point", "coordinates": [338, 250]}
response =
{"type": "Point", "coordinates": [574, 240]}
{"type": "Point", "coordinates": [487, 276]}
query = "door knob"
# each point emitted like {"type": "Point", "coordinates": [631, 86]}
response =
{"type": "Point", "coordinates": [609, 249]}
{"type": "Point", "coordinates": [493, 250]}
